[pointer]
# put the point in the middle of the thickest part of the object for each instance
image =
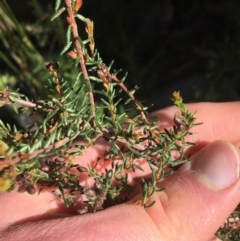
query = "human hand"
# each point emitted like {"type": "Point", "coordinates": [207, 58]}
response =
{"type": "Point", "coordinates": [191, 208]}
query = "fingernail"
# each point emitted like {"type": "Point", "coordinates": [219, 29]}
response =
{"type": "Point", "coordinates": [217, 165]}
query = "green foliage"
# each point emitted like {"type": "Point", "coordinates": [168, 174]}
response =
{"type": "Point", "coordinates": [230, 230]}
{"type": "Point", "coordinates": [83, 101]}
{"type": "Point", "coordinates": [69, 111]}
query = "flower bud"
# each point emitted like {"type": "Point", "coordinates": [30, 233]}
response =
{"type": "Point", "coordinates": [77, 5]}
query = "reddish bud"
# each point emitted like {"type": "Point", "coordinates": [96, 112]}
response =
{"type": "Point", "coordinates": [69, 21]}
{"type": "Point", "coordinates": [77, 5]}
{"type": "Point", "coordinates": [72, 54]}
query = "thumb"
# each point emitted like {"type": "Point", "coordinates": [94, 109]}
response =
{"type": "Point", "coordinates": [201, 195]}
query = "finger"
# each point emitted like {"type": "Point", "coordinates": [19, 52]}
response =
{"type": "Point", "coordinates": [46, 203]}
{"type": "Point", "coordinates": [192, 208]}
{"type": "Point", "coordinates": [119, 223]}
{"type": "Point", "coordinates": [201, 195]}
{"type": "Point", "coordinates": [17, 208]}
{"type": "Point", "coordinates": [220, 121]}
{"type": "Point", "coordinates": [24, 207]}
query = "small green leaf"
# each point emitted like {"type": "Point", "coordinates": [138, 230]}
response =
{"type": "Point", "coordinates": [58, 13]}
{"type": "Point", "coordinates": [138, 167]}
{"type": "Point", "coordinates": [127, 101]}
{"type": "Point", "coordinates": [66, 48]}
{"type": "Point", "coordinates": [51, 114]}
{"type": "Point", "coordinates": [57, 5]}
{"type": "Point", "coordinates": [124, 77]}
{"type": "Point", "coordinates": [169, 134]}
{"type": "Point", "coordinates": [150, 205]}
{"type": "Point", "coordinates": [15, 109]}
{"type": "Point", "coordinates": [86, 41]}
{"type": "Point", "coordinates": [24, 149]}
{"type": "Point", "coordinates": [82, 18]}
{"type": "Point", "coordinates": [160, 189]}
{"type": "Point", "coordinates": [95, 78]}
{"type": "Point", "coordinates": [68, 35]}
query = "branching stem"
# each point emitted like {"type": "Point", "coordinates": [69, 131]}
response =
{"type": "Point", "coordinates": [25, 157]}
{"type": "Point", "coordinates": [124, 88]}
{"type": "Point", "coordinates": [80, 54]}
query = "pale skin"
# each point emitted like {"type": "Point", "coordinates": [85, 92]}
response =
{"type": "Point", "coordinates": [185, 211]}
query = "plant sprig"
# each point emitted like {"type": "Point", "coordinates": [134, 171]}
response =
{"type": "Point", "coordinates": [28, 161]}
{"type": "Point", "coordinates": [43, 154]}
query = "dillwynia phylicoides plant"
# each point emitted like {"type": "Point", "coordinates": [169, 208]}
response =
{"type": "Point", "coordinates": [87, 107]}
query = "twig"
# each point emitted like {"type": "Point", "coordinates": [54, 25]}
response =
{"type": "Point", "coordinates": [124, 88]}
{"type": "Point", "coordinates": [26, 103]}
{"type": "Point", "coordinates": [20, 157]}
{"type": "Point", "coordinates": [7, 99]}
{"type": "Point", "coordinates": [107, 77]}
{"type": "Point", "coordinates": [80, 54]}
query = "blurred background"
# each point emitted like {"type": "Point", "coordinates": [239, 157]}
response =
{"type": "Point", "coordinates": [192, 46]}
